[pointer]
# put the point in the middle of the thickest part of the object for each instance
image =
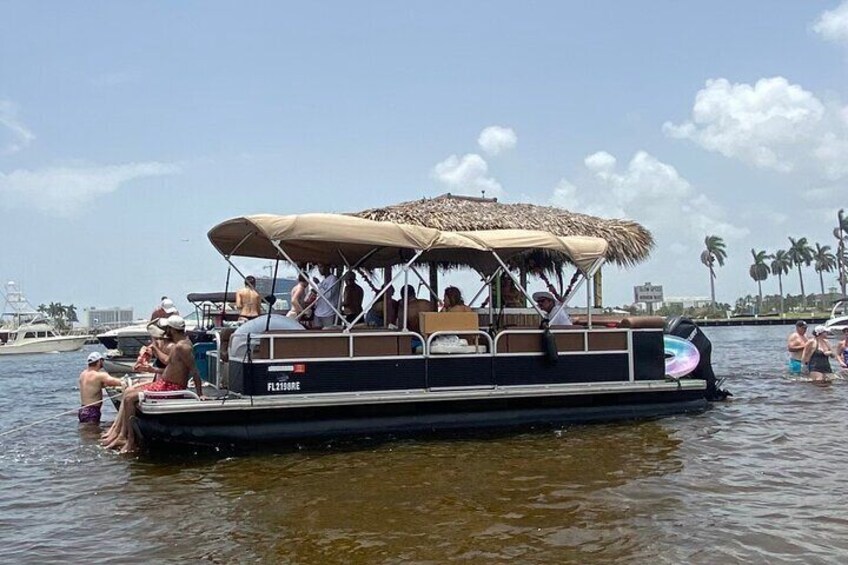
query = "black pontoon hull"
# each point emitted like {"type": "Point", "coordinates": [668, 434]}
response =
{"type": "Point", "coordinates": [286, 426]}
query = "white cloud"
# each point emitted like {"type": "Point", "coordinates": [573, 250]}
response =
{"type": "Point", "coordinates": [496, 139]}
{"type": "Point", "coordinates": [650, 191]}
{"type": "Point", "coordinates": [772, 125]}
{"type": "Point", "coordinates": [17, 136]}
{"type": "Point", "coordinates": [600, 162]}
{"type": "Point", "coordinates": [832, 25]}
{"type": "Point", "coordinates": [62, 191]}
{"type": "Point", "coordinates": [467, 175]}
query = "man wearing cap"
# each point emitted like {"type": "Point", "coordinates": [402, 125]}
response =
{"type": "Point", "coordinates": [248, 301]}
{"type": "Point", "coordinates": [180, 366]}
{"type": "Point", "coordinates": [92, 381]}
{"type": "Point", "coordinates": [795, 345]}
{"type": "Point", "coordinates": [166, 308]}
{"type": "Point", "coordinates": [549, 305]}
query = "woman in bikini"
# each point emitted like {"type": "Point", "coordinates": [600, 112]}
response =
{"type": "Point", "coordinates": [817, 354]}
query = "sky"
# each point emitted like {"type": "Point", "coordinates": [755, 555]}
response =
{"type": "Point", "coordinates": [128, 130]}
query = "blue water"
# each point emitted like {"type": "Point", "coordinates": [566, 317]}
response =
{"type": "Point", "coordinates": [757, 479]}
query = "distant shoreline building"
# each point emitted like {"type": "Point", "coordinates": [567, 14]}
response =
{"type": "Point", "coordinates": [107, 317]}
{"type": "Point", "coordinates": [686, 302]}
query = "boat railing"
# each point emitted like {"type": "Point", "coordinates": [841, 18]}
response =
{"type": "Point", "coordinates": [323, 344]}
{"type": "Point", "coordinates": [568, 340]}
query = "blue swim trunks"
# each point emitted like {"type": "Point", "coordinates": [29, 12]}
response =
{"type": "Point", "coordinates": [795, 366]}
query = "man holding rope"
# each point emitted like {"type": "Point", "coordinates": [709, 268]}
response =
{"type": "Point", "coordinates": [179, 367]}
{"type": "Point", "coordinates": [92, 381]}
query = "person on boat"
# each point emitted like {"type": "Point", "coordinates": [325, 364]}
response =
{"type": "Point", "coordinates": [817, 353]}
{"type": "Point", "coordinates": [414, 306]}
{"type": "Point", "coordinates": [299, 293]}
{"type": "Point", "coordinates": [248, 301]}
{"type": "Point", "coordinates": [92, 381]}
{"type": "Point", "coordinates": [325, 316]}
{"type": "Point", "coordinates": [453, 301]}
{"type": "Point", "coordinates": [795, 345]}
{"type": "Point", "coordinates": [384, 312]}
{"type": "Point", "coordinates": [352, 297]}
{"type": "Point", "coordinates": [842, 351]}
{"type": "Point", "coordinates": [180, 366]}
{"type": "Point", "coordinates": [552, 307]}
{"type": "Point", "coordinates": [166, 308]}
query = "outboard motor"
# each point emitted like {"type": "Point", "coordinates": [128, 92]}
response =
{"type": "Point", "coordinates": [687, 329]}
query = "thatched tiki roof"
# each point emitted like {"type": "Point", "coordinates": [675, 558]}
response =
{"type": "Point", "coordinates": [629, 242]}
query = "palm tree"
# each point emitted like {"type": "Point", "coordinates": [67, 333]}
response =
{"type": "Point", "coordinates": [780, 266]}
{"type": "Point", "coordinates": [825, 261]}
{"type": "Point", "coordinates": [71, 313]}
{"type": "Point", "coordinates": [800, 253]}
{"type": "Point", "coordinates": [759, 271]}
{"type": "Point", "coordinates": [713, 253]}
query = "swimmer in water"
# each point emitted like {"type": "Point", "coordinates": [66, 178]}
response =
{"type": "Point", "coordinates": [92, 381]}
{"type": "Point", "coordinates": [795, 345]}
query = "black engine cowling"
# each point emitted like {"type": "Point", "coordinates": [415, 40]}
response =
{"type": "Point", "coordinates": [685, 328]}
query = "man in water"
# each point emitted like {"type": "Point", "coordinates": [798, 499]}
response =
{"type": "Point", "coordinates": [92, 381]}
{"type": "Point", "coordinates": [179, 360]}
{"type": "Point", "coordinates": [548, 304]}
{"type": "Point", "coordinates": [248, 301]}
{"type": "Point", "coordinates": [795, 345]}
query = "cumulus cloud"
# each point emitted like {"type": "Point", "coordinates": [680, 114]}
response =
{"type": "Point", "coordinates": [772, 125]}
{"type": "Point", "coordinates": [832, 25]}
{"type": "Point", "coordinates": [62, 191]}
{"type": "Point", "coordinates": [496, 139]}
{"type": "Point", "coordinates": [14, 135]}
{"type": "Point", "coordinates": [649, 190]}
{"type": "Point", "coordinates": [467, 175]}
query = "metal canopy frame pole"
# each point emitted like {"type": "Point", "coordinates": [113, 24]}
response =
{"type": "Point", "coordinates": [429, 288]}
{"type": "Point", "coordinates": [486, 282]}
{"type": "Point", "coordinates": [383, 290]}
{"type": "Point", "coordinates": [518, 285]}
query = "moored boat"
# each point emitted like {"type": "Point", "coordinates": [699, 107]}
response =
{"type": "Point", "coordinates": [285, 385]}
{"type": "Point", "coordinates": [39, 336]}
{"type": "Point", "coordinates": [838, 320]}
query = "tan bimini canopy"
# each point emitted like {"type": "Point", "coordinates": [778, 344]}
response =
{"type": "Point", "coordinates": [335, 239]}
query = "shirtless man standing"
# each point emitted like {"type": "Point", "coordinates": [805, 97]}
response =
{"type": "Point", "coordinates": [179, 368]}
{"type": "Point", "coordinates": [248, 301]}
{"type": "Point", "coordinates": [352, 297]}
{"type": "Point", "coordinates": [92, 381]}
{"type": "Point", "coordinates": [795, 345]}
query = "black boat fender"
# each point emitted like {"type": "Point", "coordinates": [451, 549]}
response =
{"type": "Point", "coordinates": [685, 328]}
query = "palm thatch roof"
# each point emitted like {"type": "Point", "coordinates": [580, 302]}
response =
{"type": "Point", "coordinates": [629, 242]}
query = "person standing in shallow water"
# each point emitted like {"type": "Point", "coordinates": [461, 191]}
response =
{"type": "Point", "coordinates": [92, 381]}
{"type": "Point", "coordinates": [817, 354]}
{"type": "Point", "coordinates": [795, 344]}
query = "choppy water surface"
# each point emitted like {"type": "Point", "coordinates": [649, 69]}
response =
{"type": "Point", "coordinates": [757, 479]}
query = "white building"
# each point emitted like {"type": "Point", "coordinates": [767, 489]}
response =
{"type": "Point", "coordinates": [107, 317]}
{"type": "Point", "coordinates": [687, 301]}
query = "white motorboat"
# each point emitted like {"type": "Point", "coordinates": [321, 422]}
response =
{"type": "Point", "coordinates": [838, 315]}
{"type": "Point", "coordinates": [39, 336]}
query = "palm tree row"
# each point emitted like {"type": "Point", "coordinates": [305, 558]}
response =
{"type": "Point", "coordinates": [799, 254]}
{"type": "Point", "coordinates": [62, 314]}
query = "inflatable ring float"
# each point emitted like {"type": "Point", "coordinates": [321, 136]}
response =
{"type": "Point", "coordinates": [681, 357]}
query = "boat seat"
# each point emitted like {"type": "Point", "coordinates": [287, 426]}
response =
{"type": "Point", "coordinates": [640, 322]}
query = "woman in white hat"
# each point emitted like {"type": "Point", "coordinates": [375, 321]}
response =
{"type": "Point", "coordinates": [817, 354]}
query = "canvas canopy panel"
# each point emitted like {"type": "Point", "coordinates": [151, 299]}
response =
{"type": "Point", "coordinates": [334, 239]}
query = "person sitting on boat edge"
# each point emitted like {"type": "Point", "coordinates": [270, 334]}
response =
{"type": "Point", "coordinates": [92, 381]}
{"type": "Point", "coordinates": [795, 345]}
{"type": "Point", "coordinates": [414, 306]}
{"type": "Point", "coordinates": [180, 367]}
{"type": "Point", "coordinates": [248, 301]}
{"type": "Point", "coordinates": [453, 301]}
{"type": "Point", "coordinates": [551, 306]}
{"type": "Point", "coordinates": [816, 355]}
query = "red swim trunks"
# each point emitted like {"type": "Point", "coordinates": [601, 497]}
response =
{"type": "Point", "coordinates": [161, 385]}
